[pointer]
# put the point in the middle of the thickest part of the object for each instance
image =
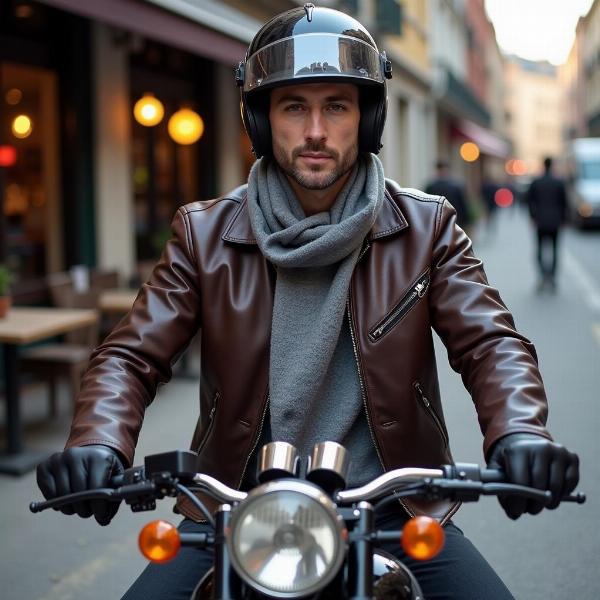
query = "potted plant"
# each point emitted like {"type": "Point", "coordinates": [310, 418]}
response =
{"type": "Point", "coordinates": [6, 278]}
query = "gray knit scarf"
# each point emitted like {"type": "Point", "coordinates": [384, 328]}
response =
{"type": "Point", "coordinates": [315, 257]}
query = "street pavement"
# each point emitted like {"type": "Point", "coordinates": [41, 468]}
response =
{"type": "Point", "coordinates": [553, 555]}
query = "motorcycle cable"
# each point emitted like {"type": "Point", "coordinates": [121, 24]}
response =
{"type": "Point", "coordinates": [197, 503]}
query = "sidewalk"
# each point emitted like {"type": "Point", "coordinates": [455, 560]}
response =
{"type": "Point", "coordinates": [50, 556]}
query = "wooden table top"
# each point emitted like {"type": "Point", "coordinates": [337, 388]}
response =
{"type": "Point", "coordinates": [23, 325]}
{"type": "Point", "coordinates": [117, 300]}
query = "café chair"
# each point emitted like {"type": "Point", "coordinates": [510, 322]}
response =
{"type": "Point", "coordinates": [65, 359]}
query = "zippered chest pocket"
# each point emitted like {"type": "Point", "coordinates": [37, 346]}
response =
{"type": "Point", "coordinates": [402, 307]}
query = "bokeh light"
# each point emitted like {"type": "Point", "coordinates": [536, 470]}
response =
{"type": "Point", "coordinates": [504, 197]}
{"type": "Point", "coordinates": [8, 156]}
{"type": "Point", "coordinates": [21, 126]}
{"type": "Point", "coordinates": [148, 110]}
{"type": "Point", "coordinates": [515, 166]}
{"type": "Point", "coordinates": [186, 126]}
{"type": "Point", "coordinates": [469, 152]}
{"type": "Point", "coordinates": [13, 96]}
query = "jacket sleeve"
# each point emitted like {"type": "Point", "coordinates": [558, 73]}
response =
{"type": "Point", "coordinates": [126, 369]}
{"type": "Point", "coordinates": [497, 364]}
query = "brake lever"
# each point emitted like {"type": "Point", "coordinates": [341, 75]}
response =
{"type": "Point", "coordinates": [97, 494]}
{"type": "Point", "coordinates": [470, 491]}
{"type": "Point", "coordinates": [131, 493]}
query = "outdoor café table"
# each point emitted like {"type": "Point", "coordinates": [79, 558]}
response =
{"type": "Point", "coordinates": [23, 325]}
{"type": "Point", "coordinates": [116, 300]}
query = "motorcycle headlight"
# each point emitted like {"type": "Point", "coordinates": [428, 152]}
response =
{"type": "Point", "coordinates": [286, 539]}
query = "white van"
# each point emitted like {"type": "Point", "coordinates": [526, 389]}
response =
{"type": "Point", "coordinates": [583, 158]}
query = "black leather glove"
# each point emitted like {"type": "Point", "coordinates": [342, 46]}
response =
{"type": "Point", "coordinates": [78, 470]}
{"type": "Point", "coordinates": [537, 462]}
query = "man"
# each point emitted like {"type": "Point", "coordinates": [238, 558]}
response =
{"type": "Point", "coordinates": [316, 287]}
{"type": "Point", "coordinates": [445, 185]}
{"type": "Point", "coordinates": [488, 194]}
{"type": "Point", "coordinates": [547, 202]}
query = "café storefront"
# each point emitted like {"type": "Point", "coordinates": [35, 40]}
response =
{"type": "Point", "coordinates": [83, 181]}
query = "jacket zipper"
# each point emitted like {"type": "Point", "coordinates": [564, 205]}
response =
{"type": "Point", "coordinates": [211, 422]}
{"type": "Point", "coordinates": [416, 292]}
{"type": "Point", "coordinates": [364, 397]}
{"type": "Point", "coordinates": [255, 443]}
{"type": "Point", "coordinates": [430, 410]}
{"type": "Point", "coordinates": [363, 250]}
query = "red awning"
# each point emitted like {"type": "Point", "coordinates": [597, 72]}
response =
{"type": "Point", "coordinates": [488, 141]}
{"type": "Point", "coordinates": [158, 24]}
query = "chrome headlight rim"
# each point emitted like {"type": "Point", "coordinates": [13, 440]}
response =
{"type": "Point", "coordinates": [315, 494]}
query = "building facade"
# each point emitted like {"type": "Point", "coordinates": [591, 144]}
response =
{"type": "Point", "coordinates": [467, 91]}
{"type": "Point", "coordinates": [90, 184]}
{"type": "Point", "coordinates": [534, 106]}
{"type": "Point", "coordinates": [590, 59]}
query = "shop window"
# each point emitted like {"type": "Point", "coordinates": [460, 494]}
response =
{"type": "Point", "coordinates": [167, 174]}
{"type": "Point", "coordinates": [29, 191]}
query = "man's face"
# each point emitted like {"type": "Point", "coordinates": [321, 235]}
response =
{"type": "Point", "coordinates": [315, 131]}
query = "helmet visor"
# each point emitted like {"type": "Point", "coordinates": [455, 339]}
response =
{"type": "Point", "coordinates": [312, 56]}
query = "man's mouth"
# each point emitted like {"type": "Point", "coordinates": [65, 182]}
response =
{"type": "Point", "coordinates": [315, 156]}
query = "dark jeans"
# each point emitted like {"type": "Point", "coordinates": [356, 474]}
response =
{"type": "Point", "coordinates": [547, 239]}
{"type": "Point", "coordinates": [458, 572]}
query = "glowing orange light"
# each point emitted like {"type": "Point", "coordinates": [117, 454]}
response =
{"type": "Point", "coordinates": [186, 126]}
{"type": "Point", "coordinates": [13, 96]}
{"type": "Point", "coordinates": [520, 167]}
{"type": "Point", "coordinates": [422, 538]}
{"type": "Point", "coordinates": [469, 152]}
{"type": "Point", "coordinates": [8, 156]}
{"type": "Point", "coordinates": [21, 126]}
{"type": "Point", "coordinates": [159, 541]}
{"type": "Point", "coordinates": [503, 197]}
{"type": "Point", "coordinates": [148, 110]}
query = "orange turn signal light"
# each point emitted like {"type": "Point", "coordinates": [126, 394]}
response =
{"type": "Point", "coordinates": [159, 541]}
{"type": "Point", "coordinates": [422, 538]}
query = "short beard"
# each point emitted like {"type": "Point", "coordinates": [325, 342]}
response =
{"type": "Point", "coordinates": [308, 181]}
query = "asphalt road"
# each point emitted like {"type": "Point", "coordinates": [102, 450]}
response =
{"type": "Point", "coordinates": [550, 556]}
{"type": "Point", "coordinates": [554, 554]}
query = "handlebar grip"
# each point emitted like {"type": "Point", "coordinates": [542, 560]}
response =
{"type": "Point", "coordinates": [493, 476]}
{"type": "Point", "coordinates": [117, 481]}
{"type": "Point", "coordinates": [474, 472]}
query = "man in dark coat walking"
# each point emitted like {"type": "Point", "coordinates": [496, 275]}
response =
{"type": "Point", "coordinates": [547, 202]}
{"type": "Point", "coordinates": [445, 185]}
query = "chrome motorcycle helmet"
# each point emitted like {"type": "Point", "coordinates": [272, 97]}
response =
{"type": "Point", "coordinates": [307, 45]}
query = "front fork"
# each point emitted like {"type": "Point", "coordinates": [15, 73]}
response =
{"type": "Point", "coordinates": [360, 554]}
{"type": "Point", "coordinates": [227, 584]}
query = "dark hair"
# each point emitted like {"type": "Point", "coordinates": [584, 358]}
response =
{"type": "Point", "coordinates": [548, 163]}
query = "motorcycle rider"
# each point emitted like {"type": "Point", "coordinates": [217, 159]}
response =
{"type": "Point", "coordinates": [316, 287]}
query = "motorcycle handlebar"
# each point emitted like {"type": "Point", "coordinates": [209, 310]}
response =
{"type": "Point", "coordinates": [462, 480]}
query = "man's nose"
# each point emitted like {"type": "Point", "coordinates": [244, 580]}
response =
{"type": "Point", "coordinates": [315, 126]}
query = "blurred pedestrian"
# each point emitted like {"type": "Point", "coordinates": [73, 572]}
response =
{"type": "Point", "coordinates": [488, 195]}
{"type": "Point", "coordinates": [445, 185]}
{"type": "Point", "coordinates": [547, 202]}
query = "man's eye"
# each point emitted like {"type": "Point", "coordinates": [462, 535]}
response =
{"type": "Point", "coordinates": [294, 107]}
{"type": "Point", "coordinates": [337, 107]}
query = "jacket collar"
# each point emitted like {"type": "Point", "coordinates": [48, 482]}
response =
{"type": "Point", "coordinates": [390, 219]}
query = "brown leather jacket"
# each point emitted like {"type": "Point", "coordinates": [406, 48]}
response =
{"type": "Point", "coordinates": [416, 271]}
